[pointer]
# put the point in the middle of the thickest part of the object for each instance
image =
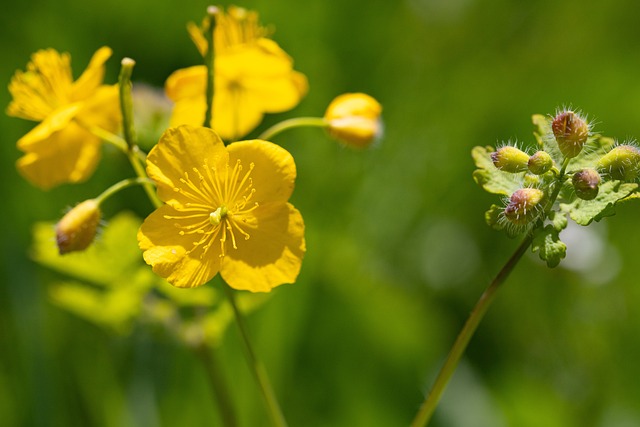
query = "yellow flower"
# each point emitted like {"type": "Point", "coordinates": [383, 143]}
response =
{"type": "Point", "coordinates": [354, 118]}
{"type": "Point", "coordinates": [253, 76]}
{"type": "Point", "coordinates": [226, 211]}
{"type": "Point", "coordinates": [60, 148]}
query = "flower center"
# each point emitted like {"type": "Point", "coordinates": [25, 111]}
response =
{"type": "Point", "coordinates": [218, 207]}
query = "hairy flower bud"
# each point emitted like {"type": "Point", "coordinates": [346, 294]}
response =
{"type": "Point", "coordinates": [524, 206]}
{"type": "Point", "coordinates": [571, 133]}
{"type": "Point", "coordinates": [354, 118]}
{"type": "Point", "coordinates": [510, 159]}
{"type": "Point", "coordinates": [585, 183]}
{"type": "Point", "coordinates": [540, 163]}
{"type": "Point", "coordinates": [77, 229]}
{"type": "Point", "coordinates": [623, 163]}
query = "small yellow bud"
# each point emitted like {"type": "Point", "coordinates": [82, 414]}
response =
{"type": "Point", "coordinates": [510, 159]}
{"type": "Point", "coordinates": [540, 163]}
{"type": "Point", "coordinates": [585, 183]}
{"type": "Point", "coordinates": [623, 163]}
{"type": "Point", "coordinates": [77, 229]}
{"type": "Point", "coordinates": [524, 206]}
{"type": "Point", "coordinates": [571, 132]}
{"type": "Point", "coordinates": [354, 119]}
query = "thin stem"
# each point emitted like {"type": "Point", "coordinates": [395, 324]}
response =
{"type": "Point", "coordinates": [447, 370]}
{"type": "Point", "coordinates": [278, 128]}
{"type": "Point", "coordinates": [209, 56]}
{"type": "Point", "coordinates": [126, 100]}
{"type": "Point", "coordinates": [220, 390]}
{"type": "Point", "coordinates": [121, 186]}
{"type": "Point", "coordinates": [275, 413]}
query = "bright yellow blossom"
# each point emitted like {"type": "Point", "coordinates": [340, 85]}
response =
{"type": "Point", "coordinates": [354, 118]}
{"type": "Point", "coordinates": [226, 211]}
{"type": "Point", "coordinates": [60, 148]}
{"type": "Point", "coordinates": [253, 76]}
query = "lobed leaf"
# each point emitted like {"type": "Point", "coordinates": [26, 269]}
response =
{"type": "Point", "coordinates": [583, 212]}
{"type": "Point", "coordinates": [547, 243]}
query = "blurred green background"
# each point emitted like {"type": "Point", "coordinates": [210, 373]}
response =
{"type": "Point", "coordinates": [398, 251]}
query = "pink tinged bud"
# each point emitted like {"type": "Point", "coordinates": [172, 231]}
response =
{"type": "Point", "coordinates": [585, 183]}
{"type": "Point", "coordinates": [354, 119]}
{"type": "Point", "coordinates": [524, 206]}
{"type": "Point", "coordinates": [623, 163]}
{"type": "Point", "coordinates": [510, 159]}
{"type": "Point", "coordinates": [540, 163]}
{"type": "Point", "coordinates": [571, 133]}
{"type": "Point", "coordinates": [77, 229]}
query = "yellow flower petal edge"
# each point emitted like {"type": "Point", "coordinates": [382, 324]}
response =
{"type": "Point", "coordinates": [61, 149]}
{"type": "Point", "coordinates": [226, 212]}
{"type": "Point", "coordinates": [253, 76]}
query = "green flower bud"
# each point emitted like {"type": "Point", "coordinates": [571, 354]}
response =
{"type": "Point", "coordinates": [586, 182]}
{"type": "Point", "coordinates": [571, 132]}
{"type": "Point", "coordinates": [540, 163]}
{"type": "Point", "coordinates": [623, 163]}
{"type": "Point", "coordinates": [524, 206]}
{"type": "Point", "coordinates": [510, 159]}
{"type": "Point", "coordinates": [77, 229]}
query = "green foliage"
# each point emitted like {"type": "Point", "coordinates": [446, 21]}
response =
{"type": "Point", "coordinates": [561, 198]}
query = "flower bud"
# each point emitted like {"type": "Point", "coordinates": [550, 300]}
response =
{"type": "Point", "coordinates": [510, 159]}
{"type": "Point", "coordinates": [77, 229]}
{"type": "Point", "coordinates": [571, 133]}
{"type": "Point", "coordinates": [586, 182]}
{"type": "Point", "coordinates": [354, 119]}
{"type": "Point", "coordinates": [623, 163]}
{"type": "Point", "coordinates": [540, 163]}
{"type": "Point", "coordinates": [524, 206]}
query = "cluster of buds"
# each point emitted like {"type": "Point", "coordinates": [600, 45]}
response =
{"type": "Point", "coordinates": [570, 132]}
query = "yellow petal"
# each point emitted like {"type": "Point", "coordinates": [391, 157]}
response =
{"type": "Point", "coordinates": [274, 173]}
{"type": "Point", "coordinates": [167, 251]}
{"type": "Point", "coordinates": [235, 112]}
{"type": "Point", "coordinates": [189, 111]}
{"type": "Point", "coordinates": [102, 109]}
{"type": "Point", "coordinates": [186, 83]}
{"type": "Point", "coordinates": [272, 255]}
{"type": "Point", "coordinates": [179, 151]}
{"type": "Point", "coordinates": [52, 124]}
{"type": "Point", "coordinates": [92, 76]}
{"type": "Point", "coordinates": [69, 155]}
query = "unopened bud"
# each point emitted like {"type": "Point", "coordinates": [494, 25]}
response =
{"type": "Point", "coordinates": [540, 163]}
{"type": "Point", "coordinates": [524, 206]}
{"type": "Point", "coordinates": [623, 163]}
{"type": "Point", "coordinates": [510, 159]}
{"type": "Point", "coordinates": [77, 229]}
{"type": "Point", "coordinates": [571, 133]}
{"type": "Point", "coordinates": [585, 183]}
{"type": "Point", "coordinates": [354, 118]}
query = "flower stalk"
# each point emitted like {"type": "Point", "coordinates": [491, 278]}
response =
{"type": "Point", "coordinates": [288, 124]}
{"type": "Point", "coordinates": [209, 58]}
{"type": "Point", "coordinates": [273, 407]}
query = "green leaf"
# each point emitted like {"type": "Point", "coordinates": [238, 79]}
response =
{"type": "Point", "coordinates": [585, 211]}
{"type": "Point", "coordinates": [595, 147]}
{"type": "Point", "coordinates": [489, 177]}
{"type": "Point", "coordinates": [547, 243]}
{"type": "Point", "coordinates": [558, 220]}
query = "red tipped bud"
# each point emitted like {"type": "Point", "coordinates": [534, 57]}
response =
{"type": "Point", "coordinates": [540, 163]}
{"type": "Point", "coordinates": [585, 183]}
{"type": "Point", "coordinates": [571, 133]}
{"type": "Point", "coordinates": [623, 163]}
{"type": "Point", "coordinates": [510, 159]}
{"type": "Point", "coordinates": [524, 206]}
{"type": "Point", "coordinates": [77, 229]}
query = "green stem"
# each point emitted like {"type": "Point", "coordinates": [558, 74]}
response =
{"type": "Point", "coordinates": [125, 183]}
{"type": "Point", "coordinates": [278, 128]}
{"type": "Point", "coordinates": [219, 385]}
{"type": "Point", "coordinates": [212, 11]}
{"type": "Point", "coordinates": [135, 156]}
{"type": "Point", "coordinates": [450, 364]}
{"type": "Point", "coordinates": [275, 413]}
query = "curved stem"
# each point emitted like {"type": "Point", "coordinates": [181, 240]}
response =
{"type": "Point", "coordinates": [275, 413]}
{"type": "Point", "coordinates": [121, 186]}
{"type": "Point", "coordinates": [278, 128]}
{"type": "Point", "coordinates": [450, 364]}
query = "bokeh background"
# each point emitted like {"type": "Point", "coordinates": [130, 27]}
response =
{"type": "Point", "coordinates": [398, 251]}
